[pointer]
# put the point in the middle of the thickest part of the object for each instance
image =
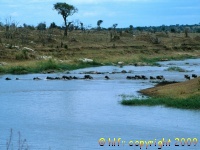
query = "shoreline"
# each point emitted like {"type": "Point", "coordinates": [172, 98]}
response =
{"type": "Point", "coordinates": [50, 65]}
{"type": "Point", "coordinates": [183, 95]}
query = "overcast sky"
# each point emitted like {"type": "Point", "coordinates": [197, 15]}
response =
{"type": "Point", "coordinates": [123, 12]}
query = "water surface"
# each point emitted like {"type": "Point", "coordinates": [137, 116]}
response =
{"type": "Point", "coordinates": [75, 114]}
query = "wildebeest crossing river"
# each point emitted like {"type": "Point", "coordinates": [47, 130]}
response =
{"type": "Point", "coordinates": [75, 114]}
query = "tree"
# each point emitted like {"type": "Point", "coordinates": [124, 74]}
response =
{"type": "Point", "coordinates": [99, 22]}
{"type": "Point", "coordinates": [82, 28]}
{"type": "Point", "coordinates": [186, 31]}
{"type": "Point", "coordinates": [53, 25]}
{"type": "Point", "coordinates": [131, 28]}
{"type": "Point", "coordinates": [65, 10]}
{"type": "Point", "coordinates": [41, 26]}
{"type": "Point", "coordinates": [114, 26]}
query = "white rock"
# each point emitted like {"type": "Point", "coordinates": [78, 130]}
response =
{"type": "Point", "coordinates": [3, 63]}
{"type": "Point", "coordinates": [85, 60]}
{"type": "Point", "coordinates": [120, 63]}
{"type": "Point", "coordinates": [26, 48]}
{"type": "Point", "coordinates": [45, 57]}
{"type": "Point", "coordinates": [17, 47]}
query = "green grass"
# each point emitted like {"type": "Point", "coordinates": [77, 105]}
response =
{"type": "Point", "coordinates": [50, 64]}
{"type": "Point", "coordinates": [47, 65]}
{"type": "Point", "coordinates": [192, 102]}
{"type": "Point", "coordinates": [179, 69]}
{"type": "Point", "coordinates": [153, 61]}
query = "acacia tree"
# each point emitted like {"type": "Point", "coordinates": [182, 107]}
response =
{"type": "Point", "coordinates": [99, 22]}
{"type": "Point", "coordinates": [65, 10]}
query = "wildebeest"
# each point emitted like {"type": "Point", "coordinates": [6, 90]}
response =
{"type": "Point", "coordinates": [138, 77]}
{"type": "Point", "coordinates": [129, 77]}
{"type": "Point", "coordinates": [58, 78]}
{"type": "Point", "coordinates": [160, 77]}
{"type": "Point", "coordinates": [7, 78]}
{"type": "Point", "coordinates": [144, 77]}
{"type": "Point", "coordinates": [194, 75]}
{"type": "Point", "coordinates": [66, 77]}
{"type": "Point", "coordinates": [36, 78]}
{"type": "Point", "coordinates": [106, 77]}
{"type": "Point", "coordinates": [75, 77]}
{"type": "Point", "coordinates": [88, 77]}
{"type": "Point", "coordinates": [187, 77]}
{"type": "Point", "coordinates": [152, 78]}
{"type": "Point", "coordinates": [50, 78]}
{"type": "Point", "coordinates": [123, 71]}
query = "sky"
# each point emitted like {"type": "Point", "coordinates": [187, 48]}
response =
{"type": "Point", "coordinates": [122, 12]}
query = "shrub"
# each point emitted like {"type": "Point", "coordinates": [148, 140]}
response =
{"type": "Point", "coordinates": [22, 55]}
{"type": "Point", "coordinates": [41, 26]}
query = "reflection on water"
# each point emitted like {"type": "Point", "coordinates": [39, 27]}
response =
{"type": "Point", "coordinates": [75, 114]}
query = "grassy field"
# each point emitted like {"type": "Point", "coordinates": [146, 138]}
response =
{"type": "Point", "coordinates": [26, 49]}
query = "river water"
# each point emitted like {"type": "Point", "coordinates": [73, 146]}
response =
{"type": "Point", "coordinates": [75, 114]}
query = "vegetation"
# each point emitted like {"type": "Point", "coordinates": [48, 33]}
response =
{"type": "Point", "coordinates": [176, 69]}
{"type": "Point", "coordinates": [99, 22]}
{"type": "Point", "coordinates": [20, 144]}
{"type": "Point", "coordinates": [25, 45]}
{"type": "Point", "coordinates": [45, 66]}
{"type": "Point", "coordinates": [192, 102]}
{"type": "Point", "coordinates": [184, 95]}
{"type": "Point", "coordinates": [65, 10]}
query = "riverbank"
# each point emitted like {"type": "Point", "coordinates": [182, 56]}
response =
{"type": "Point", "coordinates": [47, 66]}
{"type": "Point", "coordinates": [185, 95]}
{"type": "Point", "coordinates": [55, 65]}
{"type": "Point", "coordinates": [19, 56]}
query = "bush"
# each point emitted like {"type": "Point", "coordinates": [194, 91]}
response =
{"type": "Point", "coordinates": [53, 25]}
{"type": "Point", "coordinates": [18, 70]}
{"type": "Point", "coordinates": [176, 69]}
{"type": "Point", "coordinates": [41, 26]}
{"type": "Point", "coordinates": [66, 46]}
{"type": "Point", "coordinates": [23, 55]}
{"type": "Point", "coordinates": [173, 30]}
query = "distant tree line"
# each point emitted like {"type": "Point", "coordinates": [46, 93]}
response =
{"type": "Point", "coordinates": [66, 10]}
{"type": "Point", "coordinates": [78, 25]}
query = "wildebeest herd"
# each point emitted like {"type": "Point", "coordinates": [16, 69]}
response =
{"type": "Point", "coordinates": [89, 77]}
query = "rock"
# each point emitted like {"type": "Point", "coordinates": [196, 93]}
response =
{"type": "Point", "coordinates": [45, 57]}
{"type": "Point", "coordinates": [141, 64]}
{"type": "Point", "coordinates": [3, 63]}
{"type": "Point", "coordinates": [164, 59]}
{"type": "Point", "coordinates": [26, 48]}
{"type": "Point", "coordinates": [86, 60]}
{"type": "Point", "coordinates": [171, 64]}
{"type": "Point", "coordinates": [32, 42]}
{"type": "Point", "coordinates": [123, 71]}
{"type": "Point", "coordinates": [130, 71]}
{"type": "Point", "coordinates": [120, 63]}
{"type": "Point", "coordinates": [17, 47]}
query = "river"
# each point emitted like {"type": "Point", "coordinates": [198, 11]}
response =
{"type": "Point", "coordinates": [75, 114]}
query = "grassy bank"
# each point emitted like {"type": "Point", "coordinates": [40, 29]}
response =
{"type": "Point", "coordinates": [192, 102]}
{"type": "Point", "coordinates": [184, 95]}
{"type": "Point", "coordinates": [44, 67]}
{"type": "Point", "coordinates": [28, 55]}
{"type": "Point", "coordinates": [36, 66]}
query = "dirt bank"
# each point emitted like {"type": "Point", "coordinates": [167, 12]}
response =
{"type": "Point", "coordinates": [175, 90]}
